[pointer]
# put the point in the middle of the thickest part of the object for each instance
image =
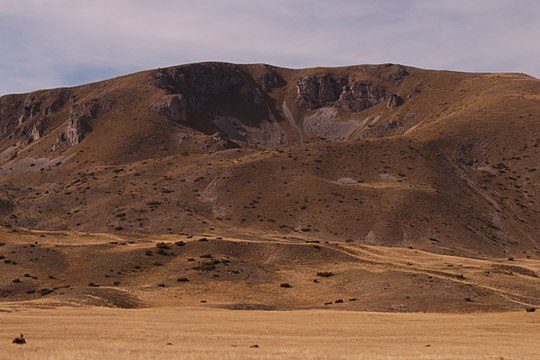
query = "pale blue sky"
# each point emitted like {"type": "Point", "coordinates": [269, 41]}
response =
{"type": "Point", "coordinates": [51, 43]}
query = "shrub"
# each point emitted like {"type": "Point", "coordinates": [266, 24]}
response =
{"type": "Point", "coordinates": [207, 265]}
{"type": "Point", "coordinates": [163, 252]}
{"type": "Point", "coordinates": [19, 340]}
{"type": "Point", "coordinates": [325, 274]}
{"type": "Point", "coordinates": [45, 291]}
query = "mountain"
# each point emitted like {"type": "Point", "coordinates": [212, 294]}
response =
{"type": "Point", "coordinates": [373, 154]}
{"type": "Point", "coordinates": [342, 183]}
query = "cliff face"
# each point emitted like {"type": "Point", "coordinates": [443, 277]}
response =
{"type": "Point", "coordinates": [377, 154]}
{"type": "Point", "coordinates": [256, 104]}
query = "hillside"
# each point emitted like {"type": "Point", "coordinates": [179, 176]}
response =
{"type": "Point", "coordinates": [374, 187]}
{"type": "Point", "coordinates": [376, 154]}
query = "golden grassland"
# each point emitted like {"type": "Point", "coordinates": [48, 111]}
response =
{"type": "Point", "coordinates": [208, 333]}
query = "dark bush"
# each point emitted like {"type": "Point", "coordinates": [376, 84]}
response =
{"type": "Point", "coordinates": [325, 274]}
{"type": "Point", "coordinates": [207, 265]}
{"type": "Point", "coordinates": [19, 340]}
{"type": "Point", "coordinates": [45, 291]}
{"type": "Point", "coordinates": [163, 252]}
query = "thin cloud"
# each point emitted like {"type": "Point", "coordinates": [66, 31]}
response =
{"type": "Point", "coordinates": [50, 43]}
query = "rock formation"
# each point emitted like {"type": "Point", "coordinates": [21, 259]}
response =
{"type": "Point", "coordinates": [314, 92]}
{"type": "Point", "coordinates": [77, 126]}
{"type": "Point", "coordinates": [174, 107]}
{"type": "Point", "coordinates": [218, 142]}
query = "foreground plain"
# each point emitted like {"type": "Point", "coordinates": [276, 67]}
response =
{"type": "Point", "coordinates": [195, 333]}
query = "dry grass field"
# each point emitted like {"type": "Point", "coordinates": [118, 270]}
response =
{"type": "Point", "coordinates": [206, 333]}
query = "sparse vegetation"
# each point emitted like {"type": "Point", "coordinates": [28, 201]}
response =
{"type": "Point", "coordinates": [19, 340]}
{"type": "Point", "coordinates": [325, 274]}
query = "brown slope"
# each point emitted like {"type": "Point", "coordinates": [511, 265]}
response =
{"type": "Point", "coordinates": [442, 161]}
{"type": "Point", "coordinates": [65, 268]}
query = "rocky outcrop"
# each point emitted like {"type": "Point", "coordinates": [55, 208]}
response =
{"type": "Point", "coordinates": [30, 132]}
{"type": "Point", "coordinates": [270, 80]}
{"type": "Point", "coordinates": [174, 107]}
{"type": "Point", "coordinates": [209, 91]}
{"type": "Point", "coordinates": [10, 110]}
{"type": "Point", "coordinates": [32, 107]}
{"type": "Point", "coordinates": [394, 73]}
{"type": "Point", "coordinates": [218, 79]}
{"type": "Point", "coordinates": [314, 92]}
{"type": "Point", "coordinates": [37, 130]}
{"type": "Point", "coordinates": [254, 95]}
{"type": "Point", "coordinates": [394, 101]}
{"type": "Point", "coordinates": [77, 125]}
{"type": "Point", "coordinates": [217, 142]}
{"type": "Point", "coordinates": [24, 116]}
{"type": "Point", "coordinates": [358, 96]}
{"type": "Point", "coordinates": [201, 79]}
{"type": "Point", "coordinates": [43, 103]}
{"type": "Point", "coordinates": [202, 85]}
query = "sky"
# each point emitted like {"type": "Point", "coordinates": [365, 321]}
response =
{"type": "Point", "coordinates": [53, 43]}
